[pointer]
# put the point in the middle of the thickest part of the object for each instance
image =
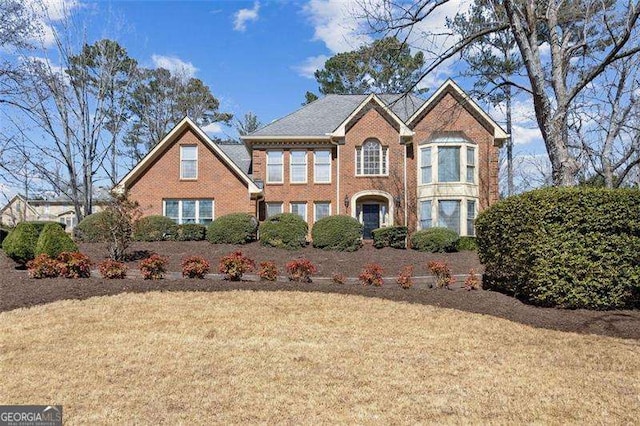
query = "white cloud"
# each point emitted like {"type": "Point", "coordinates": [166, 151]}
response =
{"type": "Point", "coordinates": [243, 16]}
{"type": "Point", "coordinates": [48, 13]}
{"type": "Point", "coordinates": [310, 65]}
{"type": "Point", "coordinates": [335, 24]}
{"type": "Point", "coordinates": [213, 128]}
{"type": "Point", "coordinates": [175, 65]}
{"type": "Point", "coordinates": [525, 128]}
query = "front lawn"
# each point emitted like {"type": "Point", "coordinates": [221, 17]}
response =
{"type": "Point", "coordinates": [292, 357]}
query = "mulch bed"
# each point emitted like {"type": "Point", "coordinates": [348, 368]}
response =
{"type": "Point", "coordinates": [17, 290]}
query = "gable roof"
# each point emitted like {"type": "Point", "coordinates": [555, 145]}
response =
{"type": "Point", "coordinates": [13, 200]}
{"type": "Point", "coordinates": [160, 148]}
{"type": "Point", "coordinates": [238, 153]}
{"type": "Point", "coordinates": [467, 102]}
{"type": "Point", "coordinates": [322, 117]}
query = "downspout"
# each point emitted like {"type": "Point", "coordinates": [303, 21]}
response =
{"type": "Point", "coordinates": [337, 179]}
{"type": "Point", "coordinates": [406, 208]}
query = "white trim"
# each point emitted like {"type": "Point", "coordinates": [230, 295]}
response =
{"type": "Point", "coordinates": [315, 203]}
{"type": "Point", "coordinates": [306, 166]}
{"type": "Point", "coordinates": [338, 200]}
{"type": "Point", "coordinates": [498, 133]}
{"type": "Point", "coordinates": [315, 166]}
{"type": "Point", "coordinates": [276, 138]}
{"type": "Point", "coordinates": [197, 208]}
{"type": "Point", "coordinates": [266, 178]}
{"type": "Point", "coordinates": [341, 130]}
{"type": "Point", "coordinates": [377, 193]}
{"type": "Point", "coordinates": [182, 159]}
{"type": "Point", "coordinates": [306, 208]}
{"type": "Point", "coordinates": [420, 149]}
{"type": "Point", "coordinates": [383, 153]}
{"type": "Point", "coordinates": [159, 149]}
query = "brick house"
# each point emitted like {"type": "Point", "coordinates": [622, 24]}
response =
{"type": "Point", "coordinates": [383, 159]}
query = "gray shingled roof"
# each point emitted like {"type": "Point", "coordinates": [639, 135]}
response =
{"type": "Point", "coordinates": [238, 153]}
{"type": "Point", "coordinates": [325, 115]}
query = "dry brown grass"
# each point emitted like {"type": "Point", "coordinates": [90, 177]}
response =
{"type": "Point", "coordinates": [250, 357]}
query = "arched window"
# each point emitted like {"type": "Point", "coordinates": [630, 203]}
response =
{"type": "Point", "coordinates": [371, 158]}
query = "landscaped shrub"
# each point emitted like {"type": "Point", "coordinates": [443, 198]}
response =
{"type": "Point", "coordinates": [435, 240]}
{"type": "Point", "coordinates": [300, 270]}
{"type": "Point", "coordinates": [153, 267]}
{"type": "Point", "coordinates": [3, 234]}
{"type": "Point", "coordinates": [154, 228]}
{"type": "Point", "coordinates": [564, 247]}
{"type": "Point", "coordinates": [467, 244]}
{"type": "Point", "coordinates": [338, 278]}
{"type": "Point", "coordinates": [91, 228]}
{"type": "Point", "coordinates": [472, 282]}
{"type": "Point", "coordinates": [442, 273]}
{"type": "Point", "coordinates": [53, 241]}
{"type": "Point", "coordinates": [191, 232]}
{"type": "Point", "coordinates": [405, 279]}
{"type": "Point", "coordinates": [112, 269]}
{"type": "Point", "coordinates": [40, 224]}
{"type": "Point", "coordinates": [234, 228]}
{"type": "Point", "coordinates": [341, 233]}
{"type": "Point", "coordinates": [268, 271]}
{"type": "Point", "coordinates": [74, 265]}
{"type": "Point", "coordinates": [235, 264]}
{"type": "Point", "coordinates": [195, 267]}
{"type": "Point", "coordinates": [20, 244]}
{"type": "Point", "coordinates": [371, 275]}
{"type": "Point", "coordinates": [391, 236]}
{"type": "Point", "coordinates": [43, 266]}
{"type": "Point", "coordinates": [285, 230]}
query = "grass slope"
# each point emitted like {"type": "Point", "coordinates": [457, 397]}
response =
{"type": "Point", "coordinates": [238, 357]}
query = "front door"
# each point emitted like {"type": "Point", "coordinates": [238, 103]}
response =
{"type": "Point", "coordinates": [370, 219]}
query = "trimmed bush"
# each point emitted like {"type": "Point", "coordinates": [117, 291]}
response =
{"type": "Point", "coordinates": [53, 241]}
{"type": "Point", "coordinates": [340, 233]}
{"type": "Point", "coordinates": [74, 265]}
{"type": "Point", "coordinates": [268, 271]}
{"type": "Point", "coordinates": [234, 265]}
{"type": "Point", "coordinates": [195, 267]}
{"type": "Point", "coordinates": [435, 240]}
{"type": "Point", "coordinates": [43, 266]}
{"type": "Point", "coordinates": [284, 230]}
{"type": "Point", "coordinates": [392, 236]}
{"type": "Point", "coordinates": [234, 228]}
{"type": "Point", "coordinates": [20, 244]}
{"type": "Point", "coordinates": [40, 224]}
{"type": "Point", "coordinates": [91, 229]}
{"type": "Point", "coordinates": [191, 232]}
{"type": "Point", "coordinates": [371, 275]}
{"type": "Point", "coordinates": [564, 247]}
{"type": "Point", "coordinates": [300, 270]}
{"type": "Point", "coordinates": [154, 228]}
{"type": "Point", "coordinates": [467, 244]}
{"type": "Point", "coordinates": [153, 268]}
{"type": "Point", "coordinates": [112, 269]}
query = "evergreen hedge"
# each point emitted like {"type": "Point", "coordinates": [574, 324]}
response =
{"type": "Point", "coordinates": [435, 240]}
{"type": "Point", "coordinates": [20, 244]}
{"type": "Point", "coordinates": [91, 229]}
{"type": "Point", "coordinates": [234, 228]}
{"type": "Point", "coordinates": [284, 230]}
{"type": "Point", "coordinates": [564, 247]}
{"type": "Point", "coordinates": [155, 228]}
{"type": "Point", "coordinates": [391, 236]}
{"type": "Point", "coordinates": [467, 244]}
{"type": "Point", "coordinates": [190, 232]}
{"type": "Point", "coordinates": [53, 240]}
{"type": "Point", "coordinates": [339, 232]}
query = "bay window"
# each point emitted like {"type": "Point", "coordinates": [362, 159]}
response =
{"type": "Point", "coordinates": [471, 164]}
{"type": "Point", "coordinates": [471, 215]}
{"type": "Point", "coordinates": [449, 214]}
{"type": "Point", "coordinates": [425, 214]}
{"type": "Point", "coordinates": [425, 165]}
{"type": "Point", "coordinates": [448, 164]}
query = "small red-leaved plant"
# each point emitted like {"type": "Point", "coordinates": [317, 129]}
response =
{"type": "Point", "coordinates": [74, 265]}
{"type": "Point", "coordinates": [154, 267]}
{"type": "Point", "coordinates": [405, 279]}
{"type": "Point", "coordinates": [372, 275]}
{"type": "Point", "coordinates": [195, 267]}
{"type": "Point", "coordinates": [43, 267]}
{"type": "Point", "coordinates": [268, 271]}
{"type": "Point", "coordinates": [442, 273]}
{"type": "Point", "coordinates": [235, 264]}
{"type": "Point", "coordinates": [338, 278]}
{"type": "Point", "coordinates": [472, 282]}
{"type": "Point", "coordinates": [301, 270]}
{"type": "Point", "coordinates": [111, 269]}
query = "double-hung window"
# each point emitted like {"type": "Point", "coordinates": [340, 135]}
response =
{"type": "Point", "coordinates": [448, 164]}
{"type": "Point", "coordinates": [189, 211]}
{"type": "Point", "coordinates": [471, 164]}
{"type": "Point", "coordinates": [471, 215]}
{"type": "Point", "coordinates": [449, 214]}
{"type": "Point", "coordinates": [322, 166]}
{"type": "Point", "coordinates": [425, 214]}
{"type": "Point", "coordinates": [425, 165]}
{"type": "Point", "coordinates": [188, 162]}
{"type": "Point", "coordinates": [273, 209]}
{"type": "Point", "coordinates": [300, 209]}
{"type": "Point", "coordinates": [371, 159]}
{"type": "Point", "coordinates": [321, 210]}
{"type": "Point", "coordinates": [275, 166]}
{"type": "Point", "coordinates": [298, 166]}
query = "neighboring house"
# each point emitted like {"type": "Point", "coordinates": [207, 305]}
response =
{"type": "Point", "coordinates": [61, 209]}
{"type": "Point", "coordinates": [383, 159]}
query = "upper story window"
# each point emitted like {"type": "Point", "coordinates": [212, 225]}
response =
{"type": "Point", "coordinates": [275, 167]}
{"type": "Point", "coordinates": [448, 164]}
{"type": "Point", "coordinates": [322, 166]}
{"type": "Point", "coordinates": [425, 165]}
{"type": "Point", "coordinates": [188, 162]}
{"type": "Point", "coordinates": [451, 159]}
{"type": "Point", "coordinates": [298, 166]}
{"type": "Point", "coordinates": [471, 164]}
{"type": "Point", "coordinates": [371, 158]}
